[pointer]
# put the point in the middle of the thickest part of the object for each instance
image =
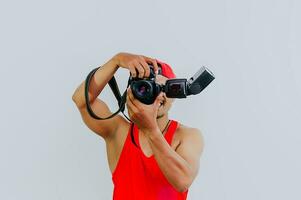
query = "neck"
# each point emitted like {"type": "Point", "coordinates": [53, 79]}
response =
{"type": "Point", "coordinates": [162, 122]}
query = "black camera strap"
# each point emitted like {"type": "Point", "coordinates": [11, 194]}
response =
{"type": "Point", "coordinates": [121, 100]}
{"type": "Point", "coordinates": [194, 86]}
{"type": "Point", "coordinates": [114, 87]}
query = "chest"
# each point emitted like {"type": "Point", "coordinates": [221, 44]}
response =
{"type": "Point", "coordinates": [146, 146]}
{"type": "Point", "coordinates": [114, 147]}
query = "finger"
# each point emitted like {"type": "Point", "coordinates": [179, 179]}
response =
{"type": "Point", "coordinates": [146, 68]}
{"type": "Point", "coordinates": [140, 69]}
{"type": "Point", "coordinates": [129, 109]}
{"type": "Point", "coordinates": [158, 100]}
{"type": "Point", "coordinates": [132, 98]}
{"type": "Point", "coordinates": [153, 62]}
{"type": "Point", "coordinates": [133, 71]}
{"type": "Point", "coordinates": [131, 105]}
{"type": "Point", "coordinates": [128, 105]}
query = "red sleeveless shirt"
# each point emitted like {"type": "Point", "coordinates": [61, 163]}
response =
{"type": "Point", "coordinates": [138, 177]}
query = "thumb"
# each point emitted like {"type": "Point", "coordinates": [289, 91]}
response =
{"type": "Point", "coordinates": [159, 99]}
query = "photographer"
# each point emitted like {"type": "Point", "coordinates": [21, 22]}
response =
{"type": "Point", "coordinates": [164, 159]}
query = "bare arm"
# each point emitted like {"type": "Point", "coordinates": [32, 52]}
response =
{"type": "Point", "coordinates": [104, 128]}
{"type": "Point", "coordinates": [98, 82]}
{"type": "Point", "coordinates": [136, 64]}
{"type": "Point", "coordinates": [180, 167]}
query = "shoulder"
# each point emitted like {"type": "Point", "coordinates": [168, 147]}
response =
{"type": "Point", "coordinates": [186, 131]}
{"type": "Point", "coordinates": [123, 127]}
{"type": "Point", "coordinates": [190, 135]}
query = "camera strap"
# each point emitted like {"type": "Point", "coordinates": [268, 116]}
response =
{"type": "Point", "coordinates": [114, 87]}
{"type": "Point", "coordinates": [121, 100]}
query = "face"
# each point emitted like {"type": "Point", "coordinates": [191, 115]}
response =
{"type": "Point", "coordinates": [167, 102]}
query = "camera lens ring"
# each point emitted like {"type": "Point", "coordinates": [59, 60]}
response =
{"type": "Point", "coordinates": [143, 90]}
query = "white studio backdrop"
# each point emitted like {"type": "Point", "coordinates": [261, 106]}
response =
{"type": "Point", "coordinates": [249, 115]}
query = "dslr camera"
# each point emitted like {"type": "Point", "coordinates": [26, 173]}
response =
{"type": "Point", "coordinates": [146, 89]}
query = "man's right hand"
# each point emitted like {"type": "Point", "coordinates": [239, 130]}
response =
{"type": "Point", "coordinates": [136, 64]}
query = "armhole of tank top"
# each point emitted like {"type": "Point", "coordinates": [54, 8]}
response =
{"type": "Point", "coordinates": [171, 131]}
{"type": "Point", "coordinates": [125, 145]}
{"type": "Point", "coordinates": [134, 133]}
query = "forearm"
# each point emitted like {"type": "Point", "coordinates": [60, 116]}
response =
{"type": "Point", "coordinates": [97, 83]}
{"type": "Point", "coordinates": [176, 170]}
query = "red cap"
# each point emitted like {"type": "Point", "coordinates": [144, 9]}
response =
{"type": "Point", "coordinates": [166, 69]}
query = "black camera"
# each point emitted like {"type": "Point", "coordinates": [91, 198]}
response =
{"type": "Point", "coordinates": [146, 89]}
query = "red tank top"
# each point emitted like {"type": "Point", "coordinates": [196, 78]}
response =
{"type": "Point", "coordinates": [138, 177]}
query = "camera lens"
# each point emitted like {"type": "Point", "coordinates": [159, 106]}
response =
{"type": "Point", "coordinates": [143, 90]}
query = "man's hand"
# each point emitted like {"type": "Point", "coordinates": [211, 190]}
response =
{"type": "Point", "coordinates": [136, 64]}
{"type": "Point", "coordinates": [144, 116]}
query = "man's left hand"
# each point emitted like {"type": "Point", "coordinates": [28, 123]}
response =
{"type": "Point", "coordinates": [143, 115]}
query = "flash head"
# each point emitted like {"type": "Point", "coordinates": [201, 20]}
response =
{"type": "Point", "coordinates": [181, 88]}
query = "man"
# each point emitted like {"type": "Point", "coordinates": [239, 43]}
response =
{"type": "Point", "coordinates": [154, 157]}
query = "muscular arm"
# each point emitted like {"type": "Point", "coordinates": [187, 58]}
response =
{"type": "Point", "coordinates": [104, 128]}
{"type": "Point", "coordinates": [136, 64]}
{"type": "Point", "coordinates": [98, 82]}
{"type": "Point", "coordinates": [180, 167]}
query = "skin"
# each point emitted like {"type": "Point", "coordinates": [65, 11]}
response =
{"type": "Point", "coordinates": [179, 162]}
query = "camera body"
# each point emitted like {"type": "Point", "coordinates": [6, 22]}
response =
{"type": "Point", "coordinates": [146, 89]}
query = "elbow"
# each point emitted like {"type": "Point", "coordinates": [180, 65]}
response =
{"type": "Point", "coordinates": [76, 100]}
{"type": "Point", "coordinates": [182, 188]}
{"type": "Point", "coordinates": [185, 182]}
{"type": "Point", "coordinates": [183, 185]}
{"type": "Point", "coordinates": [73, 98]}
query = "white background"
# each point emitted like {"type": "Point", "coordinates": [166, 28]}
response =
{"type": "Point", "coordinates": [249, 115]}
